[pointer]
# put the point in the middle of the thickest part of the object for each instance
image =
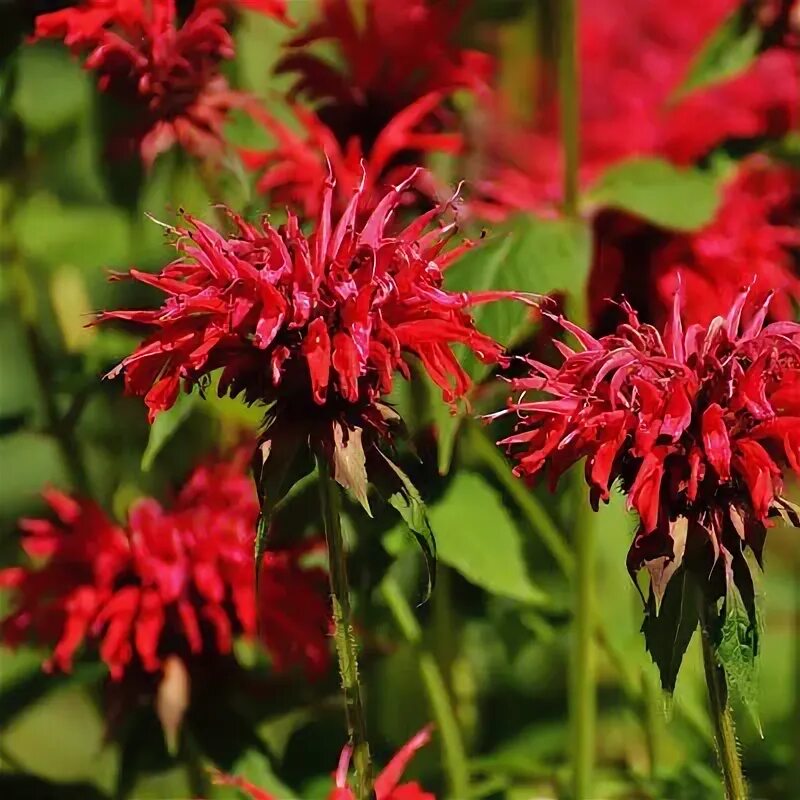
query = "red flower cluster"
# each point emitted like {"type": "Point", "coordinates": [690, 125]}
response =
{"type": "Point", "coordinates": [633, 61]}
{"type": "Point", "coordinates": [401, 52]}
{"type": "Point", "coordinates": [293, 170]}
{"type": "Point", "coordinates": [171, 582]}
{"type": "Point", "coordinates": [318, 322]}
{"type": "Point", "coordinates": [387, 784]}
{"type": "Point", "coordinates": [166, 73]}
{"type": "Point", "coordinates": [696, 426]}
{"type": "Point", "coordinates": [387, 107]}
{"type": "Point", "coordinates": [754, 234]}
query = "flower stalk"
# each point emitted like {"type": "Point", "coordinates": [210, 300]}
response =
{"type": "Point", "coordinates": [454, 752]}
{"type": "Point", "coordinates": [722, 717]}
{"type": "Point", "coordinates": [346, 647]}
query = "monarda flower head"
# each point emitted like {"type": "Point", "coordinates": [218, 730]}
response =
{"type": "Point", "coordinates": [400, 53]}
{"type": "Point", "coordinates": [698, 427]}
{"type": "Point", "coordinates": [313, 326]}
{"type": "Point", "coordinates": [166, 73]}
{"type": "Point", "coordinates": [171, 583]}
{"type": "Point", "coordinates": [387, 784]}
{"type": "Point", "coordinates": [754, 236]}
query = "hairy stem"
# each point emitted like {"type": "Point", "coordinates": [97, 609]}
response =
{"type": "Point", "coordinates": [455, 757]}
{"type": "Point", "coordinates": [583, 689]}
{"type": "Point", "coordinates": [724, 730]}
{"type": "Point", "coordinates": [569, 99]}
{"type": "Point", "coordinates": [346, 647]}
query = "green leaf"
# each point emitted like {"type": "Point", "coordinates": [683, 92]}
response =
{"type": "Point", "coordinates": [165, 426]}
{"type": "Point", "coordinates": [52, 90]}
{"type": "Point", "coordinates": [89, 237]}
{"type": "Point", "coordinates": [406, 500]}
{"type": "Point", "coordinates": [273, 462]}
{"type": "Point", "coordinates": [668, 633]}
{"type": "Point", "coordinates": [256, 768]}
{"type": "Point", "coordinates": [477, 536]}
{"type": "Point", "coordinates": [655, 190]}
{"type": "Point", "coordinates": [539, 256]}
{"type": "Point", "coordinates": [727, 53]}
{"type": "Point", "coordinates": [349, 463]}
{"type": "Point", "coordinates": [740, 639]}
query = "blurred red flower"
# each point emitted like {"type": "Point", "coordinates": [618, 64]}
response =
{"type": "Point", "coordinates": [317, 323]}
{"type": "Point", "coordinates": [166, 73]}
{"type": "Point", "coordinates": [387, 784]}
{"type": "Point", "coordinates": [753, 237]}
{"type": "Point", "coordinates": [398, 53]}
{"type": "Point", "coordinates": [293, 170]}
{"type": "Point", "coordinates": [634, 59]}
{"type": "Point", "coordinates": [173, 582]}
{"type": "Point", "coordinates": [698, 426]}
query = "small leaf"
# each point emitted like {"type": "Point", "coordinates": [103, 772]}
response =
{"type": "Point", "coordinates": [477, 536]}
{"type": "Point", "coordinates": [349, 463]}
{"type": "Point", "coordinates": [740, 636]}
{"type": "Point", "coordinates": [406, 500]}
{"type": "Point", "coordinates": [788, 511]}
{"type": "Point", "coordinates": [668, 633]}
{"type": "Point", "coordinates": [726, 53]}
{"type": "Point", "coordinates": [655, 190]}
{"type": "Point", "coordinates": [273, 461]}
{"type": "Point", "coordinates": [165, 426]}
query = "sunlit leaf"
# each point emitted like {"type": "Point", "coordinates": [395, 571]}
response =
{"type": "Point", "coordinates": [165, 426]}
{"type": "Point", "coordinates": [653, 189]}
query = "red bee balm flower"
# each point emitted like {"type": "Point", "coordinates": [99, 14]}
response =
{"type": "Point", "coordinates": [168, 74]}
{"type": "Point", "coordinates": [387, 784]}
{"type": "Point", "coordinates": [171, 582]}
{"type": "Point", "coordinates": [754, 236]}
{"type": "Point", "coordinates": [319, 324]}
{"type": "Point", "coordinates": [697, 426]}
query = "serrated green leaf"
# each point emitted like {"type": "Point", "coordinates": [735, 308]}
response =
{"type": "Point", "coordinates": [165, 426]}
{"type": "Point", "coordinates": [657, 191]}
{"type": "Point", "coordinates": [739, 642]}
{"type": "Point", "coordinates": [406, 500]}
{"type": "Point", "coordinates": [727, 53]}
{"type": "Point", "coordinates": [477, 536]}
{"type": "Point", "coordinates": [668, 633]}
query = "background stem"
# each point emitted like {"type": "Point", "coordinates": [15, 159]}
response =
{"type": "Point", "coordinates": [721, 716]}
{"type": "Point", "coordinates": [569, 100]}
{"type": "Point", "coordinates": [346, 648]}
{"type": "Point", "coordinates": [454, 752]}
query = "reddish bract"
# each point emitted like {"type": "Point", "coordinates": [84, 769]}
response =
{"type": "Point", "coordinates": [165, 72]}
{"type": "Point", "coordinates": [697, 425]}
{"type": "Point", "coordinates": [754, 236]}
{"type": "Point", "coordinates": [175, 581]}
{"type": "Point", "coordinates": [319, 324]}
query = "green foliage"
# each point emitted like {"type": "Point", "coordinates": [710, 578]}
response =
{"type": "Point", "coordinates": [476, 536]}
{"type": "Point", "coordinates": [668, 632]}
{"type": "Point", "coordinates": [682, 199]}
{"type": "Point", "coordinates": [727, 53]}
{"type": "Point", "coordinates": [52, 90]}
{"type": "Point", "coordinates": [166, 425]}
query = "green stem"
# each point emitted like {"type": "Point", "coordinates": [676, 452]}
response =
{"type": "Point", "coordinates": [344, 636]}
{"type": "Point", "coordinates": [569, 99]}
{"type": "Point", "coordinates": [455, 757]}
{"type": "Point", "coordinates": [583, 690]}
{"type": "Point", "coordinates": [536, 514]}
{"type": "Point", "coordinates": [722, 717]}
